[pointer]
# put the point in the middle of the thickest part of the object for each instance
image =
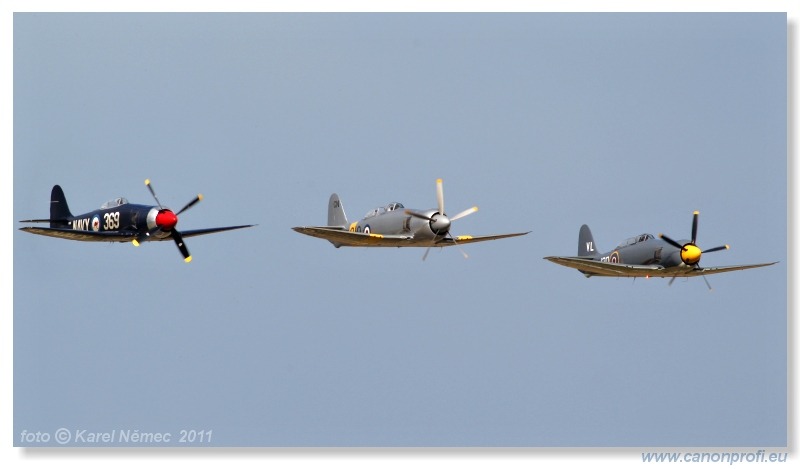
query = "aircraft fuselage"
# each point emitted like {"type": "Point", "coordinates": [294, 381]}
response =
{"type": "Point", "coordinates": [147, 221]}
{"type": "Point", "coordinates": [394, 220]}
{"type": "Point", "coordinates": [644, 249]}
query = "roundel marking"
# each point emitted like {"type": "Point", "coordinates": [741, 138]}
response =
{"type": "Point", "coordinates": [614, 258]}
{"type": "Point", "coordinates": [366, 229]}
{"type": "Point", "coordinates": [95, 223]}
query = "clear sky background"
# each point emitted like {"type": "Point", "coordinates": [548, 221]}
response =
{"type": "Point", "coordinates": [269, 338]}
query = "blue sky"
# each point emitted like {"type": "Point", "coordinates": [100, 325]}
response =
{"type": "Point", "coordinates": [545, 121]}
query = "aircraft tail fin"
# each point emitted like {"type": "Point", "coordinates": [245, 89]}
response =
{"type": "Point", "coordinates": [336, 215]}
{"type": "Point", "coordinates": [586, 246]}
{"type": "Point", "coordinates": [59, 210]}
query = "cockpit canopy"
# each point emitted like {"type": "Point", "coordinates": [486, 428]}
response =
{"type": "Point", "coordinates": [381, 210]}
{"type": "Point", "coordinates": [114, 203]}
{"type": "Point", "coordinates": [635, 239]}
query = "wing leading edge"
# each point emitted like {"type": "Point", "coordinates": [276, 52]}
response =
{"type": "Point", "coordinates": [205, 231]}
{"type": "Point", "coordinates": [341, 237]}
{"type": "Point", "coordinates": [477, 239]}
{"type": "Point", "coordinates": [80, 235]}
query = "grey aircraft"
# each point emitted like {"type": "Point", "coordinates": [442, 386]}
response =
{"type": "Point", "coordinates": [395, 226]}
{"type": "Point", "coordinates": [646, 256]}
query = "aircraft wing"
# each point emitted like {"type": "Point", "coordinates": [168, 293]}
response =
{"type": "Point", "coordinates": [205, 231]}
{"type": "Point", "coordinates": [466, 239]}
{"type": "Point", "coordinates": [594, 267]}
{"type": "Point", "coordinates": [341, 237]}
{"type": "Point", "coordinates": [116, 236]}
{"type": "Point", "coordinates": [727, 268]}
{"type": "Point", "coordinates": [81, 235]}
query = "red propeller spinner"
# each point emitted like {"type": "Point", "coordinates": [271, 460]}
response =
{"type": "Point", "coordinates": [166, 219]}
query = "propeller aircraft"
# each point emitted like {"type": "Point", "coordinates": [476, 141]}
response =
{"type": "Point", "coordinates": [394, 225]}
{"type": "Point", "coordinates": [646, 256]}
{"type": "Point", "coordinates": [119, 221]}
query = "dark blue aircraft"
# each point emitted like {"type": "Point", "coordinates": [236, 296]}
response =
{"type": "Point", "coordinates": [119, 221]}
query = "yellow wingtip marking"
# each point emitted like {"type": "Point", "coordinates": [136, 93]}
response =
{"type": "Point", "coordinates": [463, 237]}
{"type": "Point", "coordinates": [188, 259]}
{"type": "Point", "coordinates": [376, 235]}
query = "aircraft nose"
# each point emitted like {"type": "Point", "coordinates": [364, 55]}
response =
{"type": "Point", "coordinates": [690, 254]}
{"type": "Point", "coordinates": [166, 220]}
{"type": "Point", "coordinates": [440, 224]}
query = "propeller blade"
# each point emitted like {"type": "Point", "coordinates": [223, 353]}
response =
{"type": "Point", "coordinates": [671, 280]}
{"type": "Point", "coordinates": [464, 213]}
{"type": "Point", "coordinates": [425, 256]}
{"type": "Point", "coordinates": [456, 244]}
{"type": "Point", "coordinates": [418, 215]}
{"type": "Point", "coordinates": [176, 236]}
{"type": "Point", "coordinates": [147, 183]}
{"type": "Point", "coordinates": [440, 195]}
{"type": "Point", "coordinates": [690, 252]}
{"type": "Point", "coordinates": [190, 204]}
{"type": "Point", "coordinates": [670, 240]}
{"type": "Point", "coordinates": [441, 223]}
